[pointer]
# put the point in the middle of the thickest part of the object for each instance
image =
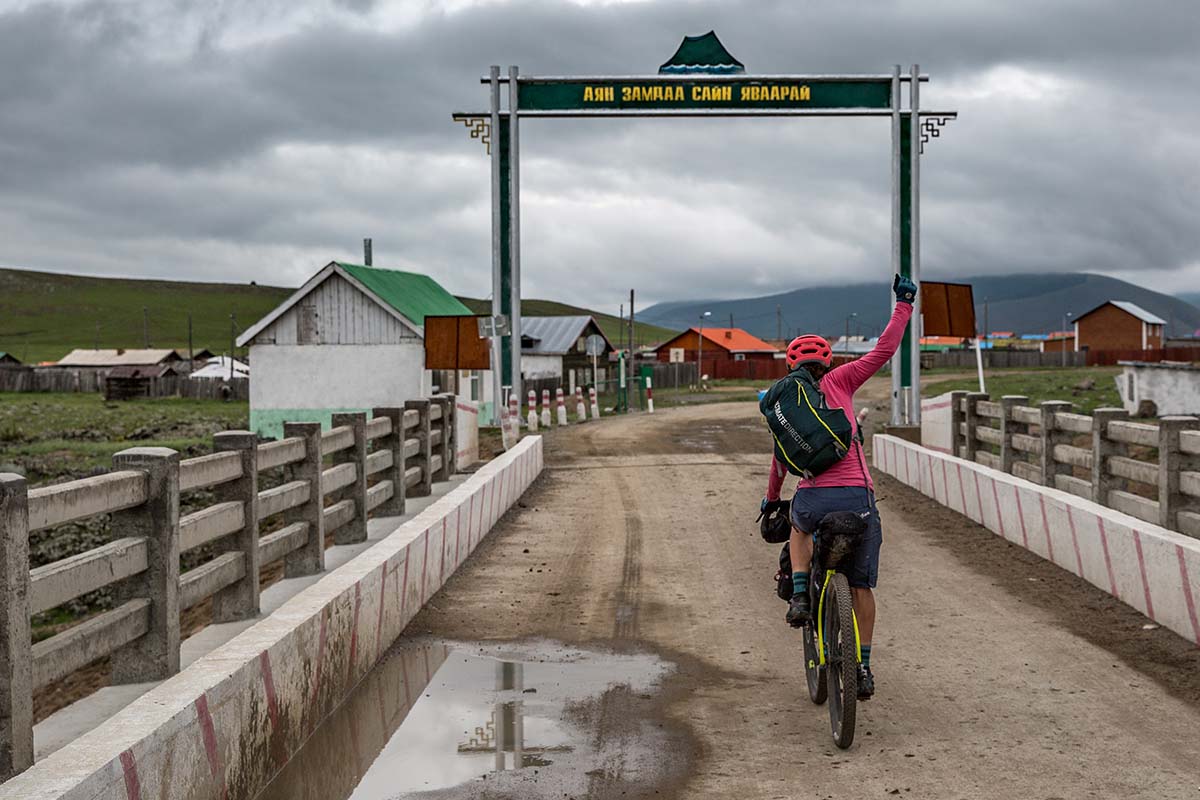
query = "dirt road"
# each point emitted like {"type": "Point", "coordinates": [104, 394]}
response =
{"type": "Point", "coordinates": [999, 675]}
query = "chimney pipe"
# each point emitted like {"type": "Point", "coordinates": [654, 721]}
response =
{"type": "Point", "coordinates": [367, 252]}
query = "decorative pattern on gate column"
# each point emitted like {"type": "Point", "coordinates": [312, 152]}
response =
{"type": "Point", "coordinates": [479, 127]}
{"type": "Point", "coordinates": [931, 127]}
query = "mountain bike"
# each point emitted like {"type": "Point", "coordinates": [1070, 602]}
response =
{"type": "Point", "coordinates": [831, 642]}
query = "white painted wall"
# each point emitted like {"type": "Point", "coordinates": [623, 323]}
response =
{"type": "Point", "coordinates": [466, 432]}
{"type": "Point", "coordinates": [935, 422]}
{"type": "Point", "coordinates": [541, 366]}
{"type": "Point", "coordinates": [1173, 390]}
{"type": "Point", "coordinates": [337, 376]}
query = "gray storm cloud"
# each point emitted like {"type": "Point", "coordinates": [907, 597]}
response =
{"type": "Point", "coordinates": [218, 142]}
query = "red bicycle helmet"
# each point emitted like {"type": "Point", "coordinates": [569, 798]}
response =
{"type": "Point", "coordinates": [809, 349]}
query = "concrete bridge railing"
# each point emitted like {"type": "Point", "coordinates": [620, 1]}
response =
{"type": "Point", "coordinates": [373, 464]}
{"type": "Point", "coordinates": [1148, 471]}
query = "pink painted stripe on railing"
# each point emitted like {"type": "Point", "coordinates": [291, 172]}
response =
{"type": "Point", "coordinates": [1046, 527]}
{"type": "Point", "coordinates": [133, 787]}
{"type": "Point", "coordinates": [209, 734]}
{"type": "Point", "coordinates": [1021, 517]}
{"type": "Point", "coordinates": [1074, 539]}
{"type": "Point", "coordinates": [1137, 545]}
{"type": "Point", "coordinates": [1188, 598]}
{"type": "Point", "coordinates": [1112, 580]}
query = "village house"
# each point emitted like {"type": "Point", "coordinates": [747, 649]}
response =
{"type": "Point", "coordinates": [1118, 325]}
{"type": "Point", "coordinates": [556, 347]}
{"type": "Point", "coordinates": [350, 339]}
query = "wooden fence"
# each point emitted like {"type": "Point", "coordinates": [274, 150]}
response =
{"type": "Point", "coordinates": [29, 379]}
{"type": "Point", "coordinates": [403, 451]}
{"type": "Point", "coordinates": [1149, 471]}
{"type": "Point", "coordinates": [998, 359]}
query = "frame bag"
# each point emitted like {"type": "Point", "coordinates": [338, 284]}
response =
{"type": "Point", "coordinates": [809, 436]}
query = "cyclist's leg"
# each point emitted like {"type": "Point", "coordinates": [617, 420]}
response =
{"type": "Point", "coordinates": [865, 574]}
{"type": "Point", "coordinates": [801, 549]}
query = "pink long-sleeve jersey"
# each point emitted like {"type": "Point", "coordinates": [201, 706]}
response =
{"type": "Point", "coordinates": [839, 386]}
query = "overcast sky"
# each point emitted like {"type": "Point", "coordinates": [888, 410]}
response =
{"type": "Point", "coordinates": [227, 140]}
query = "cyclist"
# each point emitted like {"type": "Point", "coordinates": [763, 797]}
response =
{"type": "Point", "coordinates": [847, 485]}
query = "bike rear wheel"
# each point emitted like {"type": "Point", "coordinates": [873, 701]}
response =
{"type": "Point", "coordinates": [841, 660]}
{"type": "Point", "coordinates": [814, 671]}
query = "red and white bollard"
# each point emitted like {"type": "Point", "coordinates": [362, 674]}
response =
{"type": "Point", "coordinates": [514, 416]}
{"type": "Point", "coordinates": [580, 408]}
{"type": "Point", "coordinates": [545, 408]}
{"type": "Point", "coordinates": [595, 405]}
{"type": "Point", "coordinates": [562, 406]}
{"type": "Point", "coordinates": [532, 419]}
{"type": "Point", "coordinates": [649, 395]}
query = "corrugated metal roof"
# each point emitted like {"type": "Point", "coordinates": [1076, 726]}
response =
{"type": "Point", "coordinates": [414, 295]}
{"type": "Point", "coordinates": [1139, 312]}
{"type": "Point", "coordinates": [553, 335]}
{"type": "Point", "coordinates": [116, 358]}
{"type": "Point", "coordinates": [1128, 308]}
{"type": "Point", "coordinates": [736, 340]}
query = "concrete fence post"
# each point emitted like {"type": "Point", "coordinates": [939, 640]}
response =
{"type": "Point", "coordinates": [309, 559]}
{"type": "Point", "coordinates": [1102, 448]}
{"type": "Point", "coordinates": [580, 408]}
{"type": "Point", "coordinates": [154, 656]}
{"type": "Point", "coordinates": [424, 487]}
{"type": "Point", "coordinates": [355, 530]}
{"type": "Point", "coordinates": [16, 654]}
{"type": "Point", "coordinates": [446, 446]}
{"type": "Point", "coordinates": [1170, 463]}
{"type": "Point", "coordinates": [560, 407]}
{"type": "Point", "coordinates": [394, 441]}
{"type": "Point", "coordinates": [545, 408]}
{"type": "Point", "coordinates": [1008, 426]}
{"type": "Point", "coordinates": [531, 420]}
{"type": "Point", "coordinates": [957, 400]}
{"type": "Point", "coordinates": [240, 601]}
{"type": "Point", "coordinates": [451, 455]}
{"type": "Point", "coordinates": [971, 420]}
{"type": "Point", "coordinates": [1052, 437]}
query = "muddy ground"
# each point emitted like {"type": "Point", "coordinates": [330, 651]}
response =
{"type": "Point", "coordinates": [998, 674]}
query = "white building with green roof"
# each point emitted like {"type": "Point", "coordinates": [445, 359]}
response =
{"type": "Point", "coordinates": [350, 339]}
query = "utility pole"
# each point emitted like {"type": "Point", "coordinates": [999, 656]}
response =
{"type": "Point", "coordinates": [367, 252]}
{"type": "Point", "coordinates": [986, 329]}
{"type": "Point", "coordinates": [731, 320]}
{"type": "Point", "coordinates": [629, 366]}
{"type": "Point", "coordinates": [232, 342]}
{"type": "Point", "coordinates": [97, 340]}
{"type": "Point", "coordinates": [191, 350]}
{"type": "Point", "coordinates": [778, 322]}
{"type": "Point", "coordinates": [146, 327]}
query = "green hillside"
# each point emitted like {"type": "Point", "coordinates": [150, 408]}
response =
{"type": "Point", "coordinates": [612, 326]}
{"type": "Point", "coordinates": [45, 315]}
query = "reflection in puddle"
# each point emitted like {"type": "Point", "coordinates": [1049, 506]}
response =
{"type": "Point", "coordinates": [434, 719]}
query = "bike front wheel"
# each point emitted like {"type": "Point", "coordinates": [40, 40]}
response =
{"type": "Point", "coordinates": [841, 660]}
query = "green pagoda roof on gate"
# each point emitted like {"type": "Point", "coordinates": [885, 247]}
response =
{"type": "Point", "coordinates": [703, 55]}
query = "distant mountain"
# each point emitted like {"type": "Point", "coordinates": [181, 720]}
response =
{"type": "Point", "coordinates": [615, 328]}
{"type": "Point", "coordinates": [1189, 297]}
{"type": "Point", "coordinates": [1021, 303]}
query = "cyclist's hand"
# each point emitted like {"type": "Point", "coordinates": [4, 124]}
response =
{"type": "Point", "coordinates": [905, 289]}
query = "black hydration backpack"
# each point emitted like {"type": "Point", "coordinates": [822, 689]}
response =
{"type": "Point", "coordinates": [809, 436]}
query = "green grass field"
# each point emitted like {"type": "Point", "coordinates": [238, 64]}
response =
{"type": "Point", "coordinates": [1052, 383]}
{"type": "Point", "coordinates": [59, 436]}
{"type": "Point", "coordinates": [613, 327]}
{"type": "Point", "coordinates": [45, 315]}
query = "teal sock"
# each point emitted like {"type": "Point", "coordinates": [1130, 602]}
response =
{"type": "Point", "coordinates": [799, 582]}
{"type": "Point", "coordinates": [866, 654]}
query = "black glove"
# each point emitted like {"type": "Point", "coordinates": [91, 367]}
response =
{"type": "Point", "coordinates": [905, 289]}
{"type": "Point", "coordinates": [769, 506]}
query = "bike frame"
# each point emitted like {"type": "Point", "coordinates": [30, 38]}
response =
{"type": "Point", "coordinates": [821, 624]}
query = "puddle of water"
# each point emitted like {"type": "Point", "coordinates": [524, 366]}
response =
{"type": "Point", "coordinates": [440, 719]}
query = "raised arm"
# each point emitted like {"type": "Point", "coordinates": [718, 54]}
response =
{"type": "Point", "coordinates": [775, 479]}
{"type": "Point", "coordinates": [854, 374]}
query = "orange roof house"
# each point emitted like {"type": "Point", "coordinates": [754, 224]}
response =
{"type": "Point", "coordinates": [734, 344]}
